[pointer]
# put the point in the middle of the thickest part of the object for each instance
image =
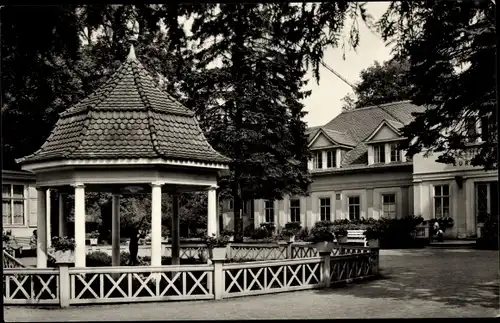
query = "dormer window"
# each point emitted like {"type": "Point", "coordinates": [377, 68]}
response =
{"type": "Point", "coordinates": [395, 153]}
{"type": "Point", "coordinates": [471, 131]}
{"type": "Point", "coordinates": [318, 160]}
{"type": "Point", "coordinates": [331, 158]}
{"type": "Point", "coordinates": [379, 153]}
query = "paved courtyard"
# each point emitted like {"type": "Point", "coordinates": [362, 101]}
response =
{"type": "Point", "coordinates": [423, 283]}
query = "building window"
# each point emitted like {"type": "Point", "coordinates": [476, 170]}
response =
{"type": "Point", "coordinates": [331, 159]}
{"type": "Point", "coordinates": [295, 210]}
{"type": "Point", "coordinates": [354, 208]}
{"type": "Point", "coordinates": [269, 210]}
{"type": "Point", "coordinates": [441, 201]}
{"type": "Point", "coordinates": [318, 160]}
{"type": "Point", "coordinates": [395, 153]}
{"type": "Point", "coordinates": [379, 153]}
{"type": "Point", "coordinates": [13, 201]}
{"type": "Point", "coordinates": [389, 205]}
{"type": "Point", "coordinates": [324, 209]}
{"type": "Point", "coordinates": [471, 131]}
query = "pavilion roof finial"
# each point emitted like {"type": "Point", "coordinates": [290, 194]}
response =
{"type": "Point", "coordinates": [131, 54]}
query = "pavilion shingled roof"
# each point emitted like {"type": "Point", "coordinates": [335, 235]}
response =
{"type": "Point", "coordinates": [127, 117]}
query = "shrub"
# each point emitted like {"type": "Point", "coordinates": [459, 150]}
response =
{"type": "Point", "coordinates": [249, 230]}
{"type": "Point", "coordinates": [320, 234]}
{"type": "Point", "coordinates": [94, 234]}
{"type": "Point", "coordinates": [98, 259]}
{"type": "Point", "coordinates": [269, 226]}
{"type": "Point", "coordinates": [398, 233]}
{"type": "Point", "coordinates": [373, 232]}
{"type": "Point", "coordinates": [324, 224]}
{"type": "Point", "coordinates": [293, 226]}
{"type": "Point", "coordinates": [303, 234]}
{"type": "Point", "coordinates": [489, 233]}
{"type": "Point", "coordinates": [340, 230]}
{"type": "Point", "coordinates": [261, 233]}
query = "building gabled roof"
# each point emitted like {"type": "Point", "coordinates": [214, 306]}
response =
{"type": "Point", "coordinates": [359, 124]}
{"type": "Point", "coordinates": [393, 125]}
{"type": "Point", "coordinates": [335, 137]}
{"type": "Point", "coordinates": [129, 116]}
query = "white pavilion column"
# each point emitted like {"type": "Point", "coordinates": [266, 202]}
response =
{"type": "Point", "coordinates": [48, 214]}
{"type": "Point", "coordinates": [41, 230]}
{"type": "Point", "coordinates": [115, 231]}
{"type": "Point", "coordinates": [212, 211]}
{"type": "Point", "coordinates": [156, 224]}
{"type": "Point", "coordinates": [63, 227]}
{"type": "Point", "coordinates": [79, 225]}
{"type": "Point", "coordinates": [176, 240]}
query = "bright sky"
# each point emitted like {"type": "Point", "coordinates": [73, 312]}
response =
{"type": "Point", "coordinates": [325, 101]}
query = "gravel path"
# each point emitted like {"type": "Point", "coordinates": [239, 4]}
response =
{"type": "Point", "coordinates": [424, 283]}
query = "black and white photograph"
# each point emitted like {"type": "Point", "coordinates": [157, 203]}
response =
{"type": "Point", "coordinates": [249, 161]}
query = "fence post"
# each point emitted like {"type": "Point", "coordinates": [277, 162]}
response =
{"type": "Point", "coordinates": [375, 253]}
{"type": "Point", "coordinates": [218, 279]}
{"type": "Point", "coordinates": [289, 254]}
{"type": "Point", "coordinates": [228, 252]}
{"type": "Point", "coordinates": [326, 268]}
{"type": "Point", "coordinates": [64, 284]}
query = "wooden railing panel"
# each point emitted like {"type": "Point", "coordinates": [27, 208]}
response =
{"type": "Point", "coordinates": [135, 284]}
{"type": "Point", "coordinates": [253, 278]}
{"type": "Point", "coordinates": [30, 286]}
{"type": "Point", "coordinates": [348, 268]}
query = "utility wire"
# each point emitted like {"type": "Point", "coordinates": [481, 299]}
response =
{"type": "Point", "coordinates": [354, 88]}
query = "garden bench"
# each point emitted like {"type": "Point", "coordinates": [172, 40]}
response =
{"type": "Point", "coordinates": [356, 236]}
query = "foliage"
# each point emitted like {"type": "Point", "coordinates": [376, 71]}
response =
{"type": "Point", "coordinates": [320, 234]}
{"type": "Point", "coordinates": [94, 234]}
{"type": "Point", "coordinates": [268, 226]}
{"type": "Point", "coordinates": [293, 226]}
{"type": "Point", "coordinates": [8, 241]}
{"type": "Point", "coordinates": [303, 234]}
{"type": "Point", "coordinates": [381, 84]}
{"type": "Point", "coordinates": [227, 233]}
{"type": "Point", "coordinates": [397, 233]}
{"type": "Point", "coordinates": [489, 233]}
{"type": "Point", "coordinates": [98, 259]}
{"type": "Point", "coordinates": [6, 235]}
{"type": "Point", "coordinates": [451, 48]}
{"type": "Point", "coordinates": [373, 232]}
{"type": "Point", "coordinates": [290, 229]}
{"type": "Point", "coordinates": [340, 230]}
{"type": "Point", "coordinates": [63, 243]}
{"type": "Point", "coordinates": [216, 242]}
{"type": "Point", "coordinates": [260, 233]}
{"type": "Point", "coordinates": [249, 103]}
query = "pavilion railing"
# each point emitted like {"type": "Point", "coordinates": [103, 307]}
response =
{"type": "Point", "coordinates": [10, 262]}
{"type": "Point", "coordinates": [221, 279]}
{"type": "Point", "coordinates": [250, 251]}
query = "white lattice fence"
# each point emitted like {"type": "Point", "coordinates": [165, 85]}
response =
{"type": "Point", "coordinates": [187, 251]}
{"type": "Point", "coordinates": [348, 268]}
{"type": "Point", "coordinates": [128, 284]}
{"type": "Point", "coordinates": [304, 251]}
{"type": "Point", "coordinates": [254, 278]}
{"type": "Point", "coordinates": [256, 252]}
{"type": "Point", "coordinates": [350, 250]}
{"type": "Point", "coordinates": [30, 286]}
